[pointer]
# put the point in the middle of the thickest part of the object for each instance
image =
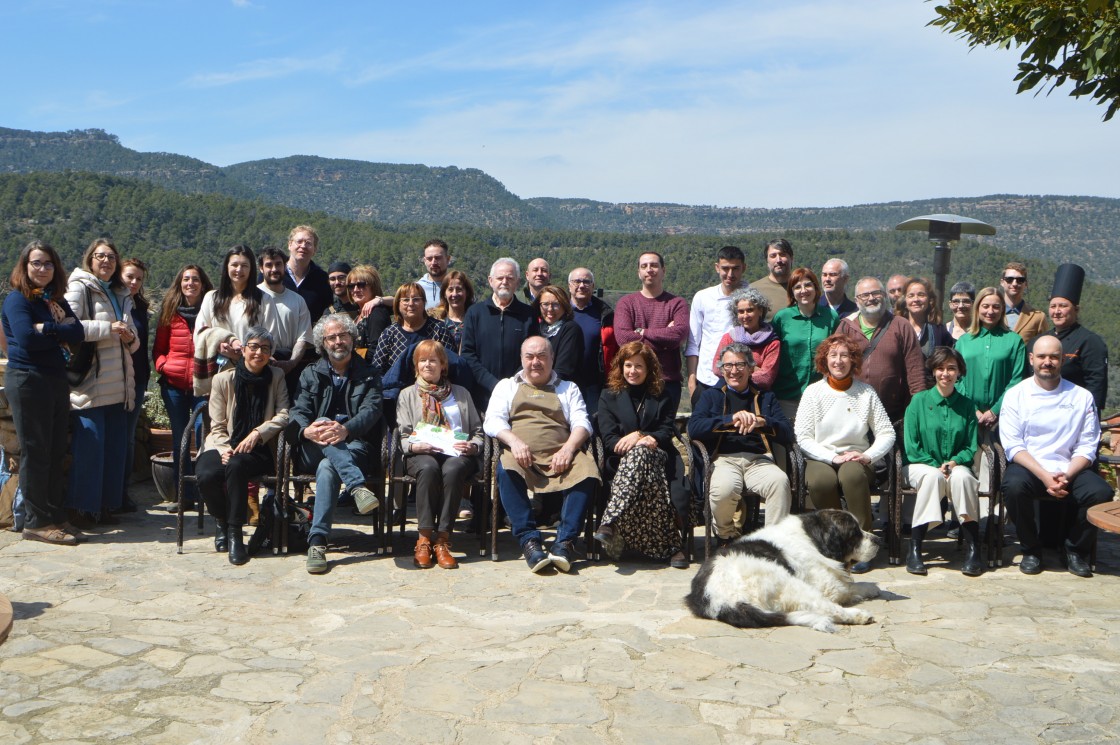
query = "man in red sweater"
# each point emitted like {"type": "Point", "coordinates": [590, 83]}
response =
{"type": "Point", "coordinates": [658, 318]}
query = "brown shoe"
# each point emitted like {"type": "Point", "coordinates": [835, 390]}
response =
{"type": "Point", "coordinates": [422, 554]}
{"type": "Point", "coordinates": [443, 553]}
{"type": "Point", "coordinates": [50, 534]}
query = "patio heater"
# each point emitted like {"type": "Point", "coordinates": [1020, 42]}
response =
{"type": "Point", "coordinates": [942, 230]}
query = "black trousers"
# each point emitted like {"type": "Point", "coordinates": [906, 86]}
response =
{"type": "Point", "coordinates": [439, 487]}
{"type": "Point", "coordinates": [1021, 489]}
{"type": "Point", "coordinates": [41, 412]}
{"type": "Point", "coordinates": [225, 488]}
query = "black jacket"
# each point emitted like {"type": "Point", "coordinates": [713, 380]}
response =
{"type": "Point", "coordinates": [567, 352]}
{"type": "Point", "coordinates": [618, 418]}
{"type": "Point", "coordinates": [363, 403]}
{"type": "Point", "coordinates": [315, 289]}
{"type": "Point", "coordinates": [492, 343]}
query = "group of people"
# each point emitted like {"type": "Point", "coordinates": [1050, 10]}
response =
{"type": "Point", "coordinates": [284, 348]}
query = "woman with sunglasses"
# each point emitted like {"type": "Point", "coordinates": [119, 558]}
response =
{"type": "Point", "coordinates": [101, 401]}
{"type": "Point", "coordinates": [363, 284]}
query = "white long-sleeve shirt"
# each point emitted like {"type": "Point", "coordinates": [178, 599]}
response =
{"type": "Point", "coordinates": [1052, 426]}
{"type": "Point", "coordinates": [708, 321]}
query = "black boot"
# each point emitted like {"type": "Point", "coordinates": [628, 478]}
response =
{"type": "Point", "coordinates": [221, 537]}
{"type": "Point", "coordinates": [914, 563]}
{"type": "Point", "coordinates": [973, 566]}
{"type": "Point", "coordinates": [237, 553]}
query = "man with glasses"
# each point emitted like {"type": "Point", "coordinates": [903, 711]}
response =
{"type": "Point", "coordinates": [892, 360]}
{"type": "Point", "coordinates": [336, 276]}
{"type": "Point", "coordinates": [333, 428]}
{"type": "Point", "coordinates": [1024, 320]}
{"type": "Point", "coordinates": [834, 281]}
{"type": "Point", "coordinates": [305, 276]}
{"type": "Point", "coordinates": [740, 424]}
{"type": "Point", "coordinates": [709, 320]}
{"type": "Point", "coordinates": [591, 314]}
{"type": "Point", "coordinates": [493, 331]}
{"type": "Point", "coordinates": [436, 258]}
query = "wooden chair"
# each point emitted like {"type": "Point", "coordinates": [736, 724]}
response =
{"type": "Point", "coordinates": [401, 485]}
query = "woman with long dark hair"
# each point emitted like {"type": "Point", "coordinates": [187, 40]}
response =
{"type": "Point", "coordinates": [248, 409]}
{"type": "Point", "coordinates": [38, 326]}
{"type": "Point", "coordinates": [234, 307]}
{"type": "Point", "coordinates": [101, 402]}
{"type": "Point", "coordinates": [173, 353]}
{"type": "Point", "coordinates": [649, 496]}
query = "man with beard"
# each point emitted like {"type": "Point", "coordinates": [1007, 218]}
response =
{"type": "Point", "coordinates": [1085, 360]}
{"type": "Point", "coordinates": [334, 427]}
{"type": "Point", "coordinates": [896, 285]}
{"type": "Point", "coordinates": [834, 281]}
{"type": "Point", "coordinates": [291, 324]}
{"type": "Point", "coordinates": [779, 264]}
{"type": "Point", "coordinates": [336, 275]}
{"type": "Point", "coordinates": [892, 360]}
{"type": "Point", "coordinates": [436, 258]}
{"type": "Point", "coordinates": [1020, 316]}
{"type": "Point", "coordinates": [1050, 430]}
{"type": "Point", "coordinates": [493, 331]}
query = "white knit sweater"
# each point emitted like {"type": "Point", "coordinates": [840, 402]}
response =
{"type": "Point", "coordinates": [830, 422]}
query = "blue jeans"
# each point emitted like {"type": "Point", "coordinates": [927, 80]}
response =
{"type": "Point", "coordinates": [130, 428]}
{"type": "Point", "coordinates": [97, 463]}
{"type": "Point", "coordinates": [179, 405]}
{"type": "Point", "coordinates": [515, 499]}
{"type": "Point", "coordinates": [334, 466]}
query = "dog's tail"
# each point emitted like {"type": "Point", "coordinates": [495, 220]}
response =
{"type": "Point", "coordinates": [741, 615]}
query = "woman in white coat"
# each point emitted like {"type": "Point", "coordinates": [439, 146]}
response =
{"type": "Point", "coordinates": [99, 403]}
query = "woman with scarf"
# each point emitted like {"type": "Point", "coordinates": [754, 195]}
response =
{"type": "Point", "coordinates": [38, 324]}
{"type": "Point", "coordinates": [553, 307]}
{"type": "Point", "coordinates": [173, 353]}
{"type": "Point", "coordinates": [440, 477]}
{"type": "Point", "coordinates": [842, 429]}
{"type": "Point", "coordinates": [649, 500]}
{"type": "Point", "coordinates": [101, 401]}
{"type": "Point", "coordinates": [248, 409]}
{"type": "Point", "coordinates": [748, 308]}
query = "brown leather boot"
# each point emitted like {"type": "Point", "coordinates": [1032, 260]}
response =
{"type": "Point", "coordinates": [422, 554]}
{"type": "Point", "coordinates": [443, 552]}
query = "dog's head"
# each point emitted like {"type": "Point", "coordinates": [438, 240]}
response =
{"type": "Point", "coordinates": [837, 535]}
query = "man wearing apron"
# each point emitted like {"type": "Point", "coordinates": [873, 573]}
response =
{"type": "Point", "coordinates": [542, 423]}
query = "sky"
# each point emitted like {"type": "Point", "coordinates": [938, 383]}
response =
{"type": "Point", "coordinates": [800, 103]}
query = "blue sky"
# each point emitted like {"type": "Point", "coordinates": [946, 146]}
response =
{"type": "Point", "coordinates": [754, 104]}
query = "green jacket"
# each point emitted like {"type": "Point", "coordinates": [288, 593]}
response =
{"type": "Point", "coordinates": [995, 361]}
{"type": "Point", "coordinates": [937, 430]}
{"type": "Point", "coordinates": [800, 337]}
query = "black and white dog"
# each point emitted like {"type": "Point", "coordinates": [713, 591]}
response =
{"type": "Point", "coordinates": [792, 573]}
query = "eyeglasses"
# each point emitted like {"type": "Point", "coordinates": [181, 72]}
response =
{"type": "Point", "coordinates": [254, 348]}
{"type": "Point", "coordinates": [357, 285]}
{"type": "Point", "coordinates": [551, 306]}
{"type": "Point", "coordinates": [413, 299]}
{"type": "Point", "coordinates": [1015, 280]}
{"type": "Point", "coordinates": [581, 282]}
{"type": "Point", "coordinates": [964, 301]}
{"type": "Point", "coordinates": [41, 265]}
{"type": "Point", "coordinates": [734, 366]}
{"type": "Point", "coordinates": [336, 280]}
{"type": "Point", "coordinates": [332, 338]}
{"type": "Point", "coordinates": [104, 257]}
{"type": "Point", "coordinates": [869, 295]}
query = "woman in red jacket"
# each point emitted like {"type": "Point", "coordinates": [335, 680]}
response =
{"type": "Point", "coordinates": [173, 351]}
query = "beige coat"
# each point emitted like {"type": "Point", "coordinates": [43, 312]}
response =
{"type": "Point", "coordinates": [409, 412]}
{"type": "Point", "coordinates": [112, 380]}
{"type": "Point", "coordinates": [221, 410]}
{"type": "Point", "coordinates": [1031, 323]}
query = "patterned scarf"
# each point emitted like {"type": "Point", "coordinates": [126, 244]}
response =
{"type": "Point", "coordinates": [432, 396]}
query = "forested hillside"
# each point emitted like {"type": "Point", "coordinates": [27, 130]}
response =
{"type": "Point", "coordinates": [1053, 228]}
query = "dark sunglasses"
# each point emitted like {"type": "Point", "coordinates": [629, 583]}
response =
{"type": "Point", "coordinates": [1015, 280]}
{"type": "Point", "coordinates": [357, 285]}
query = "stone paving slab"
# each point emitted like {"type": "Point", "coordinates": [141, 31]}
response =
{"type": "Point", "coordinates": [121, 640]}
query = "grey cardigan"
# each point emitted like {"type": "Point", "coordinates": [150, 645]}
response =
{"type": "Point", "coordinates": [409, 412]}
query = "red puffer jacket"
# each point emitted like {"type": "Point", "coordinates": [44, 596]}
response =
{"type": "Point", "coordinates": [173, 353]}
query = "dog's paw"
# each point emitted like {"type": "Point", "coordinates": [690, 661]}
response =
{"type": "Point", "coordinates": [825, 625]}
{"type": "Point", "coordinates": [854, 617]}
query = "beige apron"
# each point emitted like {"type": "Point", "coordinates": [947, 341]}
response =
{"type": "Point", "coordinates": [538, 419]}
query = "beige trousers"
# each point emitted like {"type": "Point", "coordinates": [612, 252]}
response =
{"type": "Point", "coordinates": [731, 474]}
{"type": "Point", "coordinates": [961, 487]}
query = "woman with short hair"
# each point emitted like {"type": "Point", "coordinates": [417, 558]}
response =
{"type": "Point", "coordinates": [962, 296]}
{"type": "Point", "coordinates": [748, 309]}
{"type": "Point", "coordinates": [41, 330]}
{"type": "Point", "coordinates": [248, 409]}
{"type": "Point", "coordinates": [440, 477]}
{"type": "Point", "coordinates": [553, 306]}
{"type": "Point", "coordinates": [101, 401]}
{"type": "Point", "coordinates": [411, 324]}
{"type": "Point", "coordinates": [842, 428]}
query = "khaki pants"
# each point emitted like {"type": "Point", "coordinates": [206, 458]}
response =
{"type": "Point", "coordinates": [731, 475]}
{"type": "Point", "coordinates": [961, 487]}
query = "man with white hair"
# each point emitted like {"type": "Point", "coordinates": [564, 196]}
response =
{"type": "Point", "coordinates": [494, 329]}
{"type": "Point", "coordinates": [834, 281]}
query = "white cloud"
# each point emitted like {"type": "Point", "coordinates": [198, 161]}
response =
{"type": "Point", "coordinates": [264, 69]}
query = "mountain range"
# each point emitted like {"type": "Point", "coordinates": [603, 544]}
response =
{"type": "Point", "coordinates": [1053, 228]}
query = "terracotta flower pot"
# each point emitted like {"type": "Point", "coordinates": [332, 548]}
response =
{"type": "Point", "coordinates": [159, 440]}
